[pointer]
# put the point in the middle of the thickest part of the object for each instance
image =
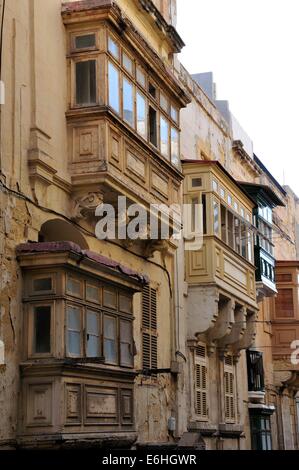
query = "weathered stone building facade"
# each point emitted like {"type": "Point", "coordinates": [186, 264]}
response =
{"type": "Point", "coordinates": [133, 342]}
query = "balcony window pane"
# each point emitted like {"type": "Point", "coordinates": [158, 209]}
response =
{"type": "Point", "coordinates": [113, 48]}
{"type": "Point", "coordinates": [126, 353]}
{"type": "Point", "coordinates": [249, 246]}
{"type": "Point", "coordinates": [237, 234]}
{"type": "Point", "coordinates": [174, 114]}
{"type": "Point", "coordinates": [42, 329]}
{"type": "Point", "coordinates": [153, 126]}
{"type": "Point", "coordinates": [204, 213]}
{"type": "Point", "coordinates": [152, 90]}
{"type": "Point", "coordinates": [110, 349]}
{"type": "Point", "coordinates": [92, 334]}
{"type": "Point", "coordinates": [216, 217]}
{"type": "Point", "coordinates": [42, 284]}
{"type": "Point", "coordinates": [86, 82]}
{"type": "Point", "coordinates": [113, 87]}
{"type": "Point", "coordinates": [141, 115]}
{"type": "Point", "coordinates": [86, 41]}
{"type": "Point", "coordinates": [175, 160]}
{"type": "Point", "coordinates": [74, 330]}
{"type": "Point", "coordinates": [127, 63]}
{"type": "Point", "coordinates": [230, 229]}
{"type": "Point", "coordinates": [74, 287]}
{"type": "Point", "coordinates": [140, 76]}
{"type": "Point", "coordinates": [164, 103]}
{"type": "Point", "coordinates": [128, 102]}
{"type": "Point", "coordinates": [223, 224]}
{"type": "Point", "coordinates": [92, 293]}
{"type": "Point", "coordinates": [243, 240]}
{"type": "Point", "coordinates": [164, 137]}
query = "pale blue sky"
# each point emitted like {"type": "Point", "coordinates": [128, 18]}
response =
{"type": "Point", "coordinates": [252, 48]}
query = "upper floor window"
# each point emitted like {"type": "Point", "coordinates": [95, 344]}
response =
{"type": "Point", "coordinates": [201, 382]}
{"type": "Point", "coordinates": [235, 231]}
{"type": "Point", "coordinates": [85, 41]}
{"type": "Point", "coordinates": [134, 94]}
{"type": "Point", "coordinates": [113, 47]}
{"type": "Point", "coordinates": [255, 371]}
{"type": "Point", "coordinates": [97, 320]}
{"type": "Point", "coordinates": [86, 82]}
{"type": "Point", "coordinates": [113, 77]}
{"type": "Point", "coordinates": [229, 389]}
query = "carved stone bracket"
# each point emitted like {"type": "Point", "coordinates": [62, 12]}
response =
{"type": "Point", "coordinates": [86, 204]}
{"type": "Point", "coordinates": [202, 309]}
{"type": "Point", "coordinates": [238, 328]}
{"type": "Point", "coordinates": [224, 322]}
{"type": "Point", "coordinates": [249, 335]}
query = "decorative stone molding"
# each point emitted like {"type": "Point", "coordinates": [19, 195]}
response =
{"type": "Point", "coordinates": [86, 205]}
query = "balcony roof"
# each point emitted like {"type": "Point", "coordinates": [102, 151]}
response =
{"type": "Point", "coordinates": [221, 167]}
{"type": "Point", "coordinates": [263, 191]}
{"type": "Point", "coordinates": [100, 262]}
{"type": "Point", "coordinates": [73, 7]}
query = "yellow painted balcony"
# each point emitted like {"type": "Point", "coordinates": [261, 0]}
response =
{"type": "Point", "coordinates": [221, 274]}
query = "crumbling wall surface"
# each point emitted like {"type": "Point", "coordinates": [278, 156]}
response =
{"type": "Point", "coordinates": [13, 221]}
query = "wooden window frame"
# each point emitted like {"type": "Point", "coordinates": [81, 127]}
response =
{"type": "Point", "coordinates": [31, 329]}
{"type": "Point", "coordinates": [201, 383]}
{"type": "Point", "coordinates": [229, 389]}
{"type": "Point", "coordinates": [149, 327]}
{"type": "Point", "coordinates": [85, 58]}
{"type": "Point", "coordinates": [74, 35]}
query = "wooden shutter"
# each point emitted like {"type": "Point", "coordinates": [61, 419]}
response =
{"type": "Point", "coordinates": [149, 328]}
{"type": "Point", "coordinates": [229, 389]}
{"type": "Point", "coordinates": [201, 382]}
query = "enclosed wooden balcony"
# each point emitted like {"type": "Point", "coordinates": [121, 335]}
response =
{"type": "Point", "coordinates": [123, 112]}
{"type": "Point", "coordinates": [220, 274]}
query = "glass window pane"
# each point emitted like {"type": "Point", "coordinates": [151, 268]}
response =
{"type": "Point", "coordinates": [230, 229]}
{"type": "Point", "coordinates": [127, 63]}
{"type": "Point", "coordinates": [92, 293]}
{"type": "Point", "coordinates": [110, 351]}
{"type": "Point", "coordinates": [113, 87]}
{"type": "Point", "coordinates": [237, 234]}
{"type": "Point", "coordinates": [92, 323]}
{"type": "Point", "coordinates": [164, 129]}
{"type": "Point", "coordinates": [86, 82]}
{"type": "Point", "coordinates": [74, 343]}
{"type": "Point", "coordinates": [109, 298]}
{"type": "Point", "coordinates": [113, 48]}
{"type": "Point", "coordinates": [141, 115]}
{"type": "Point", "coordinates": [42, 284]}
{"type": "Point", "coordinates": [164, 103]}
{"type": "Point", "coordinates": [125, 303]}
{"type": "Point", "coordinates": [216, 217]}
{"type": "Point", "coordinates": [152, 117]}
{"type": "Point", "coordinates": [73, 287]}
{"type": "Point", "coordinates": [93, 346]}
{"type": "Point", "coordinates": [125, 354]}
{"type": "Point", "coordinates": [74, 321]}
{"type": "Point", "coordinates": [174, 114]}
{"type": "Point", "coordinates": [175, 160]}
{"type": "Point", "coordinates": [140, 76]}
{"type": "Point", "coordinates": [125, 331]}
{"type": "Point", "coordinates": [85, 41]}
{"type": "Point", "coordinates": [109, 327]}
{"type": "Point", "coordinates": [128, 102]}
{"type": "Point", "coordinates": [42, 329]}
